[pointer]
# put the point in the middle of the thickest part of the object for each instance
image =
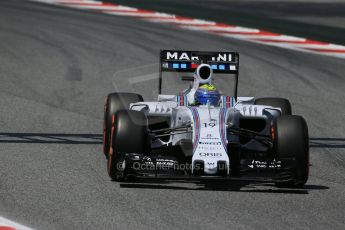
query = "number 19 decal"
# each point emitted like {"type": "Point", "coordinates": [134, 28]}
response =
{"type": "Point", "coordinates": [209, 124]}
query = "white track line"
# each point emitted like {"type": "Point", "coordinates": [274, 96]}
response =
{"type": "Point", "coordinates": [11, 224]}
{"type": "Point", "coordinates": [183, 21]}
{"type": "Point", "coordinates": [221, 29]}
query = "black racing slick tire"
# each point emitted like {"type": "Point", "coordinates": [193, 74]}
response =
{"type": "Point", "coordinates": [292, 142]}
{"type": "Point", "coordinates": [282, 103]}
{"type": "Point", "coordinates": [115, 102]}
{"type": "Point", "coordinates": [129, 134]}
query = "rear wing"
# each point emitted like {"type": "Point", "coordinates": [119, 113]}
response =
{"type": "Point", "coordinates": [188, 61]}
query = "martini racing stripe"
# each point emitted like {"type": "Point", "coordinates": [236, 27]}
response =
{"type": "Point", "coordinates": [228, 102]}
{"type": "Point", "coordinates": [196, 120]}
{"type": "Point", "coordinates": [222, 116]}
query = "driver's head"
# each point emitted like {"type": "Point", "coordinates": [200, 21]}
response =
{"type": "Point", "coordinates": [207, 93]}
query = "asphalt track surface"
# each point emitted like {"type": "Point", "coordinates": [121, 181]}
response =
{"type": "Point", "coordinates": [322, 20]}
{"type": "Point", "coordinates": [57, 65]}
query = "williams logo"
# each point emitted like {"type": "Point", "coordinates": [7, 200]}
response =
{"type": "Point", "coordinates": [210, 143]}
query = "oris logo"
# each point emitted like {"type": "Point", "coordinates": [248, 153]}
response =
{"type": "Point", "coordinates": [210, 154]}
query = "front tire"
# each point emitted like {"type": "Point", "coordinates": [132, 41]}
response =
{"type": "Point", "coordinates": [115, 102]}
{"type": "Point", "coordinates": [282, 103]}
{"type": "Point", "coordinates": [129, 134]}
{"type": "Point", "coordinates": [292, 145]}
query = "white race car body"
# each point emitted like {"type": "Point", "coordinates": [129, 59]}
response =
{"type": "Point", "coordinates": [213, 135]}
{"type": "Point", "coordinates": [208, 124]}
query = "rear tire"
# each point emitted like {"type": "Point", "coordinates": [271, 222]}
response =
{"type": "Point", "coordinates": [282, 103]}
{"type": "Point", "coordinates": [292, 143]}
{"type": "Point", "coordinates": [129, 134]}
{"type": "Point", "coordinates": [115, 102]}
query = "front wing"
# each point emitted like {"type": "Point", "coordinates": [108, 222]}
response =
{"type": "Point", "coordinates": [170, 168]}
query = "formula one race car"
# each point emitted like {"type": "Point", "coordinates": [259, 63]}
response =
{"type": "Point", "coordinates": [201, 133]}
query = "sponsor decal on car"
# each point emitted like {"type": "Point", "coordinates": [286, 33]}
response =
{"type": "Point", "coordinates": [204, 154]}
{"type": "Point", "coordinates": [209, 143]}
{"type": "Point", "coordinates": [187, 56]}
{"type": "Point", "coordinates": [264, 164]}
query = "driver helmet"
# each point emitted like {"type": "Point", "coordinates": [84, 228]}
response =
{"type": "Point", "coordinates": [207, 93]}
